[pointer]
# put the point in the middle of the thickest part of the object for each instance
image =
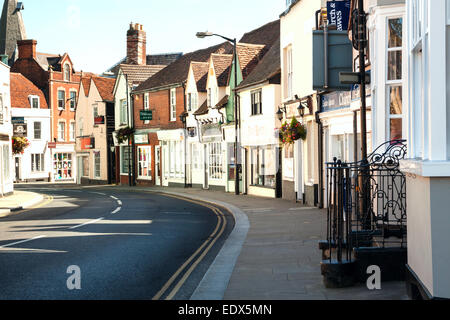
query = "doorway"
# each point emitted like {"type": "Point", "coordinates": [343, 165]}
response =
{"type": "Point", "coordinates": [17, 168]}
{"type": "Point", "coordinates": [157, 165]}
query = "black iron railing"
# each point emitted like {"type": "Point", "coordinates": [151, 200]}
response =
{"type": "Point", "coordinates": [366, 203]}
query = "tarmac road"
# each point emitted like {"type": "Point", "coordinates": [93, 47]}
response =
{"type": "Point", "coordinates": [125, 245]}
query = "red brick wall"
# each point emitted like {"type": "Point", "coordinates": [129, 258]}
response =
{"type": "Point", "coordinates": [160, 105]}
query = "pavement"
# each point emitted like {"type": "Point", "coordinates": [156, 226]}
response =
{"type": "Point", "coordinates": [19, 200]}
{"type": "Point", "coordinates": [276, 252]}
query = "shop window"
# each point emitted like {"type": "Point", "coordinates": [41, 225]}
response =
{"type": "Point", "coordinates": [62, 166]}
{"type": "Point", "coordinates": [215, 161]}
{"type": "Point", "coordinates": [144, 162]}
{"type": "Point", "coordinates": [125, 156]}
{"type": "Point", "coordinates": [263, 167]}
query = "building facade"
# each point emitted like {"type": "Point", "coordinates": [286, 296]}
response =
{"type": "Point", "coordinates": [31, 120]}
{"type": "Point", "coordinates": [6, 167]}
{"type": "Point", "coordinates": [94, 128]}
{"type": "Point", "coordinates": [56, 77]}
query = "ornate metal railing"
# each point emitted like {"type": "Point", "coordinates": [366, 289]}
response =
{"type": "Point", "coordinates": [366, 202]}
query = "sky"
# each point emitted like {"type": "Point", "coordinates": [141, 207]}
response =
{"type": "Point", "coordinates": [93, 32]}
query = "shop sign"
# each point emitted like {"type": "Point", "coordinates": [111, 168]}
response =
{"type": "Point", "coordinates": [99, 120]}
{"type": "Point", "coordinates": [146, 115]}
{"type": "Point", "coordinates": [20, 130]}
{"type": "Point", "coordinates": [51, 145]}
{"type": "Point", "coordinates": [141, 139]}
{"type": "Point", "coordinates": [336, 100]}
{"type": "Point", "coordinates": [87, 143]}
{"type": "Point", "coordinates": [338, 13]}
{"type": "Point", "coordinates": [18, 120]}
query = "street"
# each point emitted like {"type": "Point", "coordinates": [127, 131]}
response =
{"type": "Point", "coordinates": [127, 245]}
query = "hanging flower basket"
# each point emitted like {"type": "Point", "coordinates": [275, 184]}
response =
{"type": "Point", "coordinates": [289, 133]}
{"type": "Point", "coordinates": [19, 144]}
{"type": "Point", "coordinates": [124, 134]}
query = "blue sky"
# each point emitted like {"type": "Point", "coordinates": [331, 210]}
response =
{"type": "Point", "coordinates": [93, 32]}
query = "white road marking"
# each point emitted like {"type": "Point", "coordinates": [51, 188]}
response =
{"type": "Point", "coordinates": [302, 208]}
{"type": "Point", "coordinates": [117, 210]}
{"type": "Point", "coordinates": [112, 197]}
{"type": "Point", "coordinates": [18, 242]}
{"type": "Point", "coordinates": [100, 193]}
{"type": "Point", "coordinates": [89, 222]}
{"type": "Point", "coordinates": [119, 202]}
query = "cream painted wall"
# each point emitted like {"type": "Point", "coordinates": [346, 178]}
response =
{"type": "Point", "coordinates": [85, 113]}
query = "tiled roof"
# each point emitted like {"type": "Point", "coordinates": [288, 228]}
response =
{"type": "Point", "coordinates": [137, 74]}
{"type": "Point", "coordinates": [86, 80]}
{"type": "Point", "coordinates": [200, 70]}
{"type": "Point", "coordinates": [222, 63]}
{"type": "Point", "coordinates": [21, 89]}
{"type": "Point", "coordinates": [177, 72]}
{"type": "Point", "coordinates": [202, 110]}
{"type": "Point", "coordinates": [46, 59]}
{"type": "Point", "coordinates": [105, 87]}
{"type": "Point", "coordinates": [222, 102]}
{"type": "Point", "coordinates": [269, 66]}
{"type": "Point", "coordinates": [152, 59]}
{"type": "Point", "coordinates": [249, 56]}
{"type": "Point", "coordinates": [266, 35]}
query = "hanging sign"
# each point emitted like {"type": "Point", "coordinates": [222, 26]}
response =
{"type": "Point", "coordinates": [339, 14]}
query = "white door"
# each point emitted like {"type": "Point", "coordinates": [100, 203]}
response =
{"type": "Point", "coordinates": [157, 165]}
{"type": "Point", "coordinates": [165, 168]}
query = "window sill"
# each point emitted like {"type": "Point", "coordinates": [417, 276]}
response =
{"type": "Point", "coordinates": [145, 178]}
{"type": "Point", "coordinates": [264, 187]}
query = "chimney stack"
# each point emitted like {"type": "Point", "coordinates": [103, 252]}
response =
{"type": "Point", "coordinates": [27, 49]}
{"type": "Point", "coordinates": [136, 45]}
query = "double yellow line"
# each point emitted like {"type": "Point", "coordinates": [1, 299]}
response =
{"type": "Point", "coordinates": [201, 252]}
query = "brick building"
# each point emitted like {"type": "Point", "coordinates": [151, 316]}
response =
{"type": "Point", "coordinates": [56, 77]}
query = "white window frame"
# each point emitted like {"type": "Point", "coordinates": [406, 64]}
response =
{"type": "Point", "coordinates": [393, 83]}
{"type": "Point", "coordinates": [34, 130]}
{"type": "Point", "coordinates": [173, 104]}
{"type": "Point", "coordinates": [64, 99]}
{"type": "Point", "coordinates": [258, 110]}
{"type": "Point", "coordinates": [59, 131]}
{"type": "Point", "coordinates": [74, 100]}
{"type": "Point", "coordinates": [67, 76]}
{"type": "Point", "coordinates": [97, 156]}
{"type": "Point", "coordinates": [147, 162]}
{"type": "Point", "coordinates": [124, 163]}
{"type": "Point", "coordinates": [123, 112]}
{"type": "Point", "coordinates": [34, 168]}
{"type": "Point", "coordinates": [146, 105]}
{"type": "Point", "coordinates": [32, 98]}
{"type": "Point", "coordinates": [72, 131]}
{"type": "Point", "coordinates": [289, 72]}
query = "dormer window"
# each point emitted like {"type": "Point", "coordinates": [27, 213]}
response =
{"type": "Point", "coordinates": [34, 102]}
{"type": "Point", "coordinates": [66, 72]}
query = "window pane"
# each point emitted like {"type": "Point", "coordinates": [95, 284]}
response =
{"type": "Point", "coordinates": [395, 98]}
{"type": "Point", "coordinates": [394, 65]}
{"type": "Point", "coordinates": [395, 32]}
{"type": "Point", "coordinates": [396, 129]}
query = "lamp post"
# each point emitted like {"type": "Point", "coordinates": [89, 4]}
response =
{"type": "Point", "coordinates": [202, 35]}
{"type": "Point", "coordinates": [183, 117]}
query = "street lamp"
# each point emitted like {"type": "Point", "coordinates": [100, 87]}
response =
{"type": "Point", "coordinates": [202, 35]}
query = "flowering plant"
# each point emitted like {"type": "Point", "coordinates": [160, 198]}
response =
{"type": "Point", "coordinates": [289, 133]}
{"type": "Point", "coordinates": [19, 145]}
{"type": "Point", "coordinates": [124, 134]}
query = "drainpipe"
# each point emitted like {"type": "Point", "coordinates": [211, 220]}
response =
{"type": "Point", "coordinates": [320, 151]}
